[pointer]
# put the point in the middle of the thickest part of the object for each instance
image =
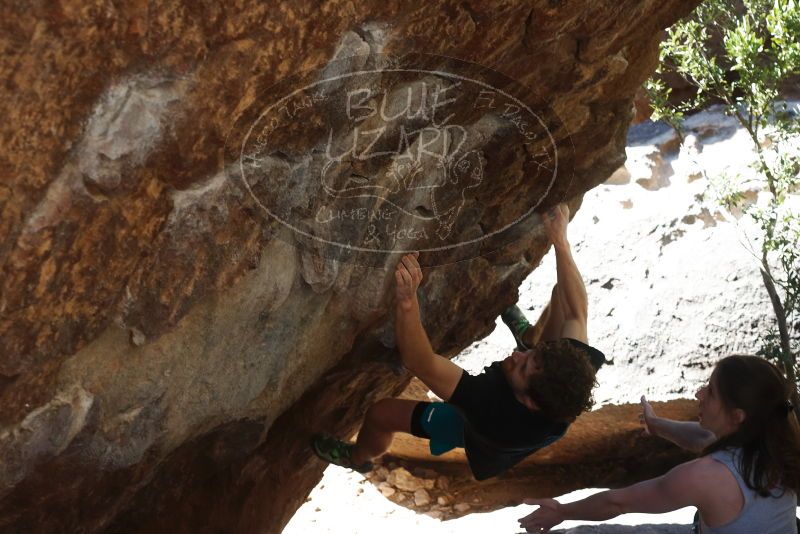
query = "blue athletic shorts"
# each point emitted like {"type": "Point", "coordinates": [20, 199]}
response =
{"type": "Point", "coordinates": [439, 422]}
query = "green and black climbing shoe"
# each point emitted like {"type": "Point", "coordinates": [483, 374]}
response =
{"type": "Point", "coordinates": [516, 322]}
{"type": "Point", "coordinates": [337, 452]}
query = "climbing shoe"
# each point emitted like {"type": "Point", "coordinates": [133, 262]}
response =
{"type": "Point", "coordinates": [515, 320]}
{"type": "Point", "coordinates": [337, 452]}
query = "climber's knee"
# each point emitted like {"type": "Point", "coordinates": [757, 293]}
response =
{"type": "Point", "coordinates": [390, 415]}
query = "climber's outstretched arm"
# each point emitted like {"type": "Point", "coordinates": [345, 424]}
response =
{"type": "Point", "coordinates": [437, 372]}
{"type": "Point", "coordinates": [570, 290]}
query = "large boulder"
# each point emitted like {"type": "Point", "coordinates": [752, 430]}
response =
{"type": "Point", "coordinates": [175, 318]}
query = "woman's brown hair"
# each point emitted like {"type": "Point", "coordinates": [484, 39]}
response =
{"type": "Point", "coordinates": [769, 436]}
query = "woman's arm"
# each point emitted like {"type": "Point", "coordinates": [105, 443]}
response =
{"type": "Point", "coordinates": [685, 434]}
{"type": "Point", "coordinates": [684, 485]}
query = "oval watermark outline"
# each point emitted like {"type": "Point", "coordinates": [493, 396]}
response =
{"type": "Point", "coordinates": [444, 74]}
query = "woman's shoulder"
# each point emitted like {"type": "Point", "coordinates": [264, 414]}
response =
{"type": "Point", "coordinates": [714, 461]}
{"type": "Point", "coordinates": [711, 485]}
{"type": "Point", "coordinates": [709, 470]}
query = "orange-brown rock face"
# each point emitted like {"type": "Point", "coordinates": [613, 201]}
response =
{"type": "Point", "coordinates": [189, 288]}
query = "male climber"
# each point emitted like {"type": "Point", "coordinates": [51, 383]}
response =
{"type": "Point", "coordinates": [512, 409]}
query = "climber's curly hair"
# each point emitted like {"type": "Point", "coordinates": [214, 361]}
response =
{"type": "Point", "coordinates": [563, 389]}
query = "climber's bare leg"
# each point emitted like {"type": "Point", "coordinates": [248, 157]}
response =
{"type": "Point", "coordinates": [383, 419]}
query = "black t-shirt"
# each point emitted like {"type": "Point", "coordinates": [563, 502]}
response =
{"type": "Point", "coordinates": [499, 431]}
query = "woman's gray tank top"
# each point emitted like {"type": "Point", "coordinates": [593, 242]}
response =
{"type": "Point", "coordinates": [764, 515]}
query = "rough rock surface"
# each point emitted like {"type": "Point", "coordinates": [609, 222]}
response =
{"type": "Point", "coordinates": [165, 354]}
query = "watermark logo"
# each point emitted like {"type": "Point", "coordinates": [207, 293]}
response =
{"type": "Point", "coordinates": [424, 153]}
